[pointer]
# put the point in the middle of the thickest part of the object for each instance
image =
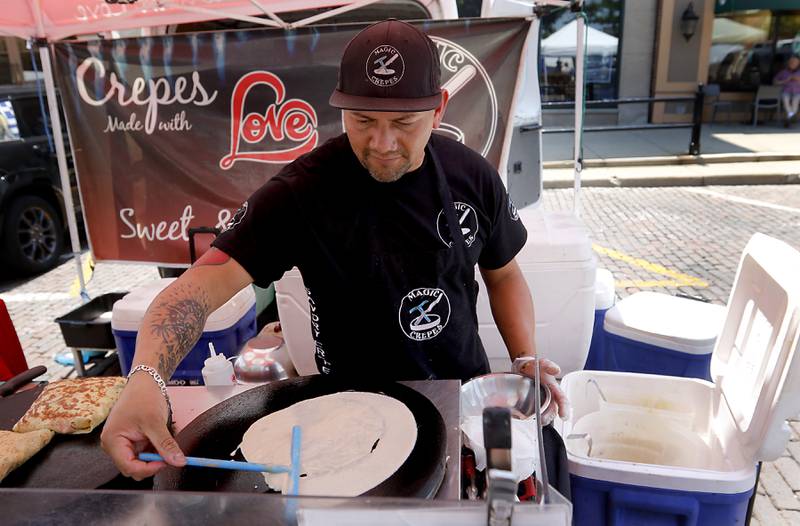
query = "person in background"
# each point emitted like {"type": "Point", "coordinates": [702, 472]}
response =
{"type": "Point", "coordinates": [789, 78]}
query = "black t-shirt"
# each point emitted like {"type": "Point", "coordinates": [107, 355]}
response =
{"type": "Point", "coordinates": [320, 211]}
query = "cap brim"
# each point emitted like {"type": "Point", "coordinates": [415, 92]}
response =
{"type": "Point", "coordinates": [353, 102]}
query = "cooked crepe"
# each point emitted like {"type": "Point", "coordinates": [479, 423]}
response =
{"type": "Point", "coordinates": [17, 448]}
{"type": "Point", "coordinates": [351, 442]}
{"type": "Point", "coordinates": [72, 406]}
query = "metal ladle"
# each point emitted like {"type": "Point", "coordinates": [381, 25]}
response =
{"type": "Point", "coordinates": [517, 366]}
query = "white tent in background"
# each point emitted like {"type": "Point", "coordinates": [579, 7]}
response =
{"type": "Point", "coordinates": [562, 42]}
{"type": "Point", "coordinates": [727, 31]}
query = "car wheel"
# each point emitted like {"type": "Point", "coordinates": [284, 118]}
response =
{"type": "Point", "coordinates": [33, 236]}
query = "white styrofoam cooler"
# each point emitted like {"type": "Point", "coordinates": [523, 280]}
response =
{"type": "Point", "coordinates": [559, 267]}
{"type": "Point", "coordinates": [683, 445]}
{"type": "Point", "coordinates": [604, 293]}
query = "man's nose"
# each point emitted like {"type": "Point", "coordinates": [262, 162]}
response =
{"type": "Point", "coordinates": [383, 139]}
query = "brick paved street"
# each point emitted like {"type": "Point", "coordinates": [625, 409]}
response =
{"type": "Point", "coordinates": [695, 234]}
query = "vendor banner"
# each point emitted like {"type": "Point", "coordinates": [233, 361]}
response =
{"type": "Point", "coordinates": [175, 132]}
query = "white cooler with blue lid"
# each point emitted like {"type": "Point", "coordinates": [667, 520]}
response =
{"type": "Point", "coordinates": [666, 450]}
{"type": "Point", "coordinates": [228, 328]}
{"type": "Point", "coordinates": [654, 333]}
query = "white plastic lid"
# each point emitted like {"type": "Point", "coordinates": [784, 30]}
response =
{"type": "Point", "coordinates": [554, 237]}
{"type": "Point", "coordinates": [661, 320]}
{"type": "Point", "coordinates": [755, 360]}
{"type": "Point", "coordinates": [604, 294]}
{"type": "Point", "coordinates": [128, 312]}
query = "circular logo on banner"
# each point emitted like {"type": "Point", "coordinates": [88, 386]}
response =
{"type": "Point", "coordinates": [424, 313]}
{"type": "Point", "coordinates": [467, 222]}
{"type": "Point", "coordinates": [237, 217]}
{"type": "Point", "coordinates": [385, 66]}
{"type": "Point", "coordinates": [512, 210]}
{"type": "Point", "coordinates": [473, 111]}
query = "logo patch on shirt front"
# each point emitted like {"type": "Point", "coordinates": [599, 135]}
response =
{"type": "Point", "coordinates": [385, 66]}
{"type": "Point", "coordinates": [467, 222]}
{"type": "Point", "coordinates": [424, 313]}
{"type": "Point", "coordinates": [237, 217]}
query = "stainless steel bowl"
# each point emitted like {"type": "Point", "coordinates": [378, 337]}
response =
{"type": "Point", "coordinates": [264, 359]}
{"type": "Point", "coordinates": [510, 390]}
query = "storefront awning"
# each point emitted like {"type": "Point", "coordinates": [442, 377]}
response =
{"type": "Point", "coordinates": [731, 6]}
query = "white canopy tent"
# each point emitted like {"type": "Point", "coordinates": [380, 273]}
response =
{"type": "Point", "coordinates": [562, 43]}
{"type": "Point", "coordinates": [54, 20]}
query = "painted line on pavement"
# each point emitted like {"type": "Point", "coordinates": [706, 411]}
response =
{"type": "Point", "coordinates": [35, 296]}
{"type": "Point", "coordinates": [678, 279]}
{"type": "Point", "coordinates": [743, 200]}
{"type": "Point", "coordinates": [88, 271]}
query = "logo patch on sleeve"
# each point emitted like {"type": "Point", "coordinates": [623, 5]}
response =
{"type": "Point", "coordinates": [512, 210]}
{"type": "Point", "coordinates": [237, 217]}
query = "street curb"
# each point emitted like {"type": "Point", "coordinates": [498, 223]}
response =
{"type": "Point", "coordinates": [710, 158]}
{"type": "Point", "coordinates": [677, 180]}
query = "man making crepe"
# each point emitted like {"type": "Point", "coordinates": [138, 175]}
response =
{"type": "Point", "coordinates": [378, 222]}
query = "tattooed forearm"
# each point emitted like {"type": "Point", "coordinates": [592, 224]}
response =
{"type": "Point", "coordinates": [177, 321]}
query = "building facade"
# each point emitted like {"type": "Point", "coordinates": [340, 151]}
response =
{"type": "Point", "coordinates": [666, 48]}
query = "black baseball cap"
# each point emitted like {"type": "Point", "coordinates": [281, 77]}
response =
{"type": "Point", "coordinates": [389, 66]}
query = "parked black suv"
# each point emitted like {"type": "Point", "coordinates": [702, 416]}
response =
{"type": "Point", "coordinates": [32, 214]}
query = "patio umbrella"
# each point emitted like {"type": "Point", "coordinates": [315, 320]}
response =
{"type": "Point", "coordinates": [727, 31]}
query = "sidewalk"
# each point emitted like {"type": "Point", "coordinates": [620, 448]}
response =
{"type": "Point", "coordinates": [766, 154]}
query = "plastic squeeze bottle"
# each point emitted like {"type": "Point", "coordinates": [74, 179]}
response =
{"type": "Point", "coordinates": [217, 370]}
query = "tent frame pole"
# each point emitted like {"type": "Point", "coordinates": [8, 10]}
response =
{"type": "Point", "coordinates": [330, 13]}
{"type": "Point", "coordinates": [63, 170]}
{"type": "Point", "coordinates": [579, 114]}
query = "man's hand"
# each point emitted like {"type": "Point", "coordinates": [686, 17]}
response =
{"type": "Point", "coordinates": [548, 370]}
{"type": "Point", "coordinates": [137, 422]}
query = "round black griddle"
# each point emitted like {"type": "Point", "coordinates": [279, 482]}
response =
{"type": "Point", "coordinates": [67, 462]}
{"type": "Point", "coordinates": [218, 432]}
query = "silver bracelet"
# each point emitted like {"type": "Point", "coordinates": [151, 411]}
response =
{"type": "Point", "coordinates": [162, 385]}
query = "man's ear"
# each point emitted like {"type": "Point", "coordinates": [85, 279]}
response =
{"type": "Point", "coordinates": [438, 113]}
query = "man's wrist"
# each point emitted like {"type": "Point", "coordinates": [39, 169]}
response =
{"type": "Point", "coordinates": [147, 371]}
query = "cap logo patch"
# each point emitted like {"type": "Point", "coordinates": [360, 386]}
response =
{"type": "Point", "coordinates": [385, 66]}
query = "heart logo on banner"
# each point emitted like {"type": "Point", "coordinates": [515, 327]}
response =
{"type": "Point", "coordinates": [292, 119]}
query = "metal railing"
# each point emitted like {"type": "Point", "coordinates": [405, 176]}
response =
{"type": "Point", "coordinates": [698, 100]}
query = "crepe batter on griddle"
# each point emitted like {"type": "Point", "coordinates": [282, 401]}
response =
{"type": "Point", "coordinates": [351, 442]}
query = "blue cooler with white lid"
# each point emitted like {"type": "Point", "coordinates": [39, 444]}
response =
{"type": "Point", "coordinates": [604, 299]}
{"type": "Point", "coordinates": [655, 333]}
{"type": "Point", "coordinates": [228, 328]}
{"type": "Point", "coordinates": [659, 450]}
